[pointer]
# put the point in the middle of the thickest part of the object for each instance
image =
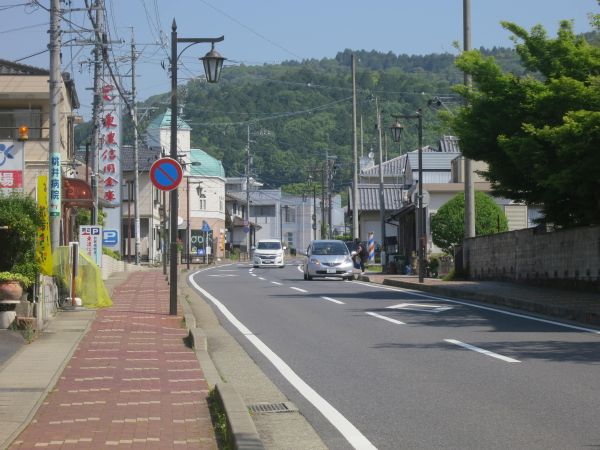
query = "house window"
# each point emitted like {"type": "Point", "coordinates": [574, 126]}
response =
{"type": "Point", "coordinates": [12, 119]}
{"type": "Point", "coordinates": [262, 210]}
{"type": "Point", "coordinates": [289, 214]}
{"type": "Point", "coordinates": [290, 239]}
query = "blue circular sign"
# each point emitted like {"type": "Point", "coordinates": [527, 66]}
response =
{"type": "Point", "coordinates": [166, 174]}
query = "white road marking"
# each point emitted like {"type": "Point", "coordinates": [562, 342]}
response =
{"type": "Point", "coordinates": [261, 278]}
{"type": "Point", "coordinates": [472, 305]}
{"type": "Point", "coordinates": [329, 299]}
{"type": "Point", "coordinates": [223, 275]}
{"type": "Point", "coordinates": [397, 322]}
{"type": "Point", "coordinates": [253, 274]}
{"type": "Point", "coordinates": [343, 425]}
{"type": "Point", "coordinates": [277, 283]}
{"type": "Point", "coordinates": [420, 307]}
{"type": "Point", "coordinates": [480, 350]}
{"type": "Point", "coordinates": [298, 289]}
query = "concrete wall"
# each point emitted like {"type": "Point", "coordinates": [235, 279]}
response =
{"type": "Point", "coordinates": [569, 258]}
{"type": "Point", "coordinates": [111, 265]}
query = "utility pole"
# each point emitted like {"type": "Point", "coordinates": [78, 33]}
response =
{"type": "Point", "coordinates": [469, 187]}
{"type": "Point", "coordinates": [136, 177]}
{"type": "Point", "coordinates": [247, 218]}
{"type": "Point", "coordinates": [383, 256]}
{"type": "Point", "coordinates": [98, 62]}
{"type": "Point", "coordinates": [355, 169]}
{"type": "Point", "coordinates": [54, 169]}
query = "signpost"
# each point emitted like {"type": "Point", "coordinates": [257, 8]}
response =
{"type": "Point", "coordinates": [90, 239]}
{"type": "Point", "coordinates": [166, 174]}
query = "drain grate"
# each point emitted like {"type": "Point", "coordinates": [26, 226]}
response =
{"type": "Point", "coordinates": [268, 408]}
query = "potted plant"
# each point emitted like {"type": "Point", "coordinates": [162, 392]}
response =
{"type": "Point", "coordinates": [12, 285]}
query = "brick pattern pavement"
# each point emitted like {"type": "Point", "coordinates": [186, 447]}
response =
{"type": "Point", "coordinates": [132, 382]}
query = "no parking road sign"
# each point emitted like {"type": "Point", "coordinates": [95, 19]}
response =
{"type": "Point", "coordinates": [166, 174]}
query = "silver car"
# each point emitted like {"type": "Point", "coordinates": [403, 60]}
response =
{"type": "Point", "coordinates": [328, 258]}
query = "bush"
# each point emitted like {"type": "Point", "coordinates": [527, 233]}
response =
{"type": "Point", "coordinates": [111, 253]}
{"type": "Point", "coordinates": [20, 219]}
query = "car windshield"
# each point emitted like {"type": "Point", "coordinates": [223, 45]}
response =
{"type": "Point", "coordinates": [330, 248]}
{"type": "Point", "coordinates": [269, 246]}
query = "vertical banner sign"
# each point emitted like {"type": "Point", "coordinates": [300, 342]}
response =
{"type": "Point", "coordinates": [55, 191]}
{"type": "Point", "coordinates": [109, 145]}
{"type": "Point", "coordinates": [11, 166]}
{"type": "Point", "coordinates": [43, 252]}
{"type": "Point", "coordinates": [90, 240]}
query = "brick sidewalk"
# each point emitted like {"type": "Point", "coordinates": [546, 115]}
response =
{"type": "Point", "coordinates": [132, 382]}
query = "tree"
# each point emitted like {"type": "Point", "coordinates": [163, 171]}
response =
{"type": "Point", "coordinates": [539, 133]}
{"type": "Point", "coordinates": [447, 225]}
{"type": "Point", "coordinates": [20, 219]}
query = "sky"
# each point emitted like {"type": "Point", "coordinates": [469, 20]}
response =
{"type": "Point", "coordinates": [270, 31]}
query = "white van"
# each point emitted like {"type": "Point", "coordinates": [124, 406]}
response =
{"type": "Point", "coordinates": [268, 252]}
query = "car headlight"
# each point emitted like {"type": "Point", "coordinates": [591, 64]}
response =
{"type": "Point", "coordinates": [348, 260]}
{"type": "Point", "coordinates": [315, 261]}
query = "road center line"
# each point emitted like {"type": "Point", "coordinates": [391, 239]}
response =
{"type": "Point", "coordinates": [277, 283]}
{"type": "Point", "coordinates": [298, 289]}
{"type": "Point", "coordinates": [343, 425]}
{"type": "Point", "coordinates": [379, 316]}
{"type": "Point", "coordinates": [329, 299]}
{"type": "Point", "coordinates": [261, 278]}
{"type": "Point", "coordinates": [480, 350]}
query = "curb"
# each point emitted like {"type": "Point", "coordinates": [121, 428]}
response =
{"type": "Point", "coordinates": [240, 424]}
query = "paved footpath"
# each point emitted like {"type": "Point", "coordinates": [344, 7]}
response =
{"type": "Point", "coordinates": [131, 383]}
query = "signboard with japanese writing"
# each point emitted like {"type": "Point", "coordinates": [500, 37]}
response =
{"type": "Point", "coordinates": [43, 252]}
{"type": "Point", "coordinates": [11, 166]}
{"type": "Point", "coordinates": [55, 193]}
{"type": "Point", "coordinates": [90, 241]}
{"type": "Point", "coordinates": [109, 144]}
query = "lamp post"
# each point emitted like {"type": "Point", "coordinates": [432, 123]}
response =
{"type": "Point", "coordinates": [213, 62]}
{"type": "Point", "coordinates": [397, 128]}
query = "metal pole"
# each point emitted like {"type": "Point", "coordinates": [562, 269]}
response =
{"type": "Point", "coordinates": [187, 231]}
{"type": "Point", "coordinates": [174, 193]}
{"type": "Point", "coordinates": [469, 186]}
{"type": "Point", "coordinates": [164, 232]}
{"type": "Point", "coordinates": [247, 218]}
{"type": "Point", "coordinates": [355, 229]}
{"type": "Point", "coordinates": [421, 222]}
{"type": "Point", "coordinates": [136, 167]}
{"type": "Point", "coordinates": [314, 215]}
{"type": "Point", "coordinates": [383, 255]}
{"type": "Point", "coordinates": [96, 105]}
{"type": "Point", "coordinates": [54, 136]}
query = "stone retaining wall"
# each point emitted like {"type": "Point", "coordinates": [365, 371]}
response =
{"type": "Point", "coordinates": [568, 258]}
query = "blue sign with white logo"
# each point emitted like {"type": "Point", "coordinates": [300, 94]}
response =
{"type": "Point", "coordinates": [110, 237]}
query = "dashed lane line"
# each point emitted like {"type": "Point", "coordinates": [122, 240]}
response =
{"type": "Point", "coordinates": [379, 316]}
{"type": "Point", "coordinates": [481, 350]}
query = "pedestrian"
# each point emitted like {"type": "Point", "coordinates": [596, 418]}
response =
{"type": "Point", "coordinates": [363, 254]}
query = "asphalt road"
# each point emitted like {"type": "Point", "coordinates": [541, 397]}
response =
{"type": "Point", "coordinates": [373, 366]}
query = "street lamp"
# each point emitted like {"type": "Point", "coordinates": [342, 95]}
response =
{"type": "Point", "coordinates": [396, 129]}
{"type": "Point", "coordinates": [213, 62]}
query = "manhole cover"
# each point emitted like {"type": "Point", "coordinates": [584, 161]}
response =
{"type": "Point", "coordinates": [264, 408]}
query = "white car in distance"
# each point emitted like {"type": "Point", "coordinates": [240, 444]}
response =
{"type": "Point", "coordinates": [268, 253]}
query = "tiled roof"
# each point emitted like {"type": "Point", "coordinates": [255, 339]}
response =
{"type": "Point", "coordinates": [11, 68]}
{"type": "Point", "coordinates": [449, 144]}
{"type": "Point", "coordinates": [146, 157]}
{"type": "Point", "coordinates": [368, 197]}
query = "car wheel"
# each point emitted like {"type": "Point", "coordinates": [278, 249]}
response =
{"type": "Point", "coordinates": [305, 277]}
{"type": "Point", "coordinates": [256, 267]}
{"type": "Point", "coordinates": [308, 277]}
